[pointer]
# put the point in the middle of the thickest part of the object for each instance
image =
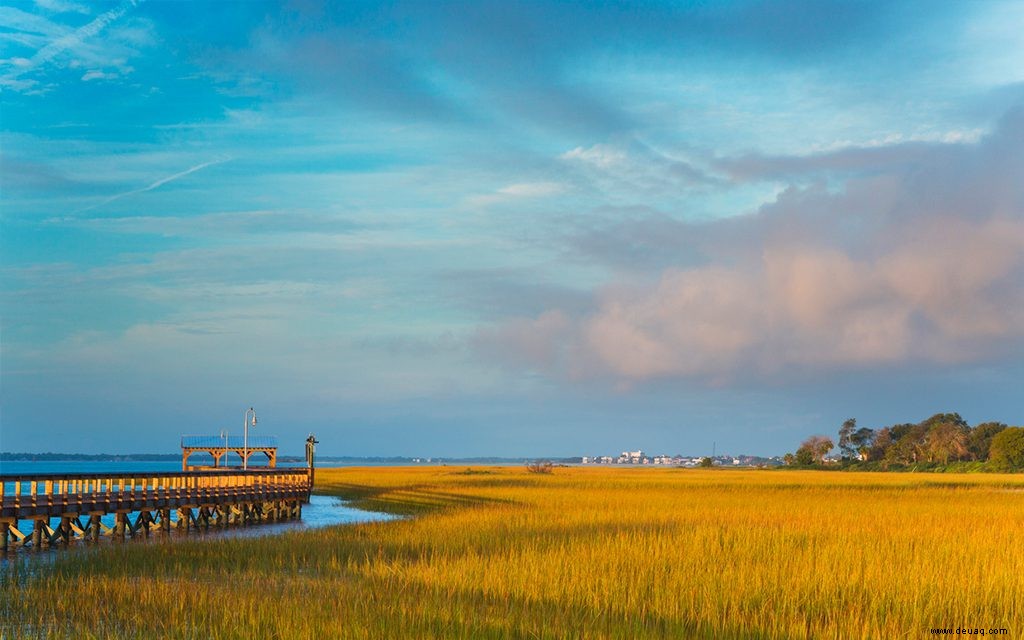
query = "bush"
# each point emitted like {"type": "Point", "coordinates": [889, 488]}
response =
{"type": "Point", "coordinates": [540, 466]}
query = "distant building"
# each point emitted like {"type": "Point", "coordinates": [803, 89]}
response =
{"type": "Point", "coordinates": [631, 457]}
{"type": "Point", "coordinates": [638, 457]}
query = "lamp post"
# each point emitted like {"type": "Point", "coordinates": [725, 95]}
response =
{"type": "Point", "coordinates": [245, 437]}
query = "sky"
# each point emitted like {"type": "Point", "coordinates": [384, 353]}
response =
{"type": "Point", "coordinates": [502, 228]}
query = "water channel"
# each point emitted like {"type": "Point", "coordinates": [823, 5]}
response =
{"type": "Point", "coordinates": [322, 511]}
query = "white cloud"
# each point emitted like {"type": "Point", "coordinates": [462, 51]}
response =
{"type": "Point", "coordinates": [532, 189]}
{"type": "Point", "coordinates": [98, 75]}
{"type": "Point", "coordinates": [601, 156]}
{"type": "Point", "coordinates": [64, 46]}
{"type": "Point", "coordinates": [517, 191]}
{"type": "Point", "coordinates": [62, 6]}
{"type": "Point", "coordinates": [16, 21]}
{"type": "Point", "coordinates": [636, 169]}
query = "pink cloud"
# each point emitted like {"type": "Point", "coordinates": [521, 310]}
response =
{"type": "Point", "coordinates": [919, 263]}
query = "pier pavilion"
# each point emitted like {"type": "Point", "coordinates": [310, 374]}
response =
{"type": "Point", "coordinates": [220, 446]}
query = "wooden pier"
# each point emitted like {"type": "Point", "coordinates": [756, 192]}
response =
{"type": "Point", "coordinates": [143, 503]}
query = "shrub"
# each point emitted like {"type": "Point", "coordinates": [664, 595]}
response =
{"type": "Point", "coordinates": [540, 466]}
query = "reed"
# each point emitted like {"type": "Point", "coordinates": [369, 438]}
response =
{"type": "Point", "coordinates": [581, 552]}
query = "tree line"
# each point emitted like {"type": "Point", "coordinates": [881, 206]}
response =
{"type": "Point", "coordinates": [943, 441]}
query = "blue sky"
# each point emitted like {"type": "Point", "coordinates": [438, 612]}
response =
{"type": "Point", "coordinates": [494, 228]}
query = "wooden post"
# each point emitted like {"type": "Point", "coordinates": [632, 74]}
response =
{"type": "Point", "coordinates": [4, 535]}
{"type": "Point", "coordinates": [94, 526]}
{"type": "Point", "coordinates": [37, 532]}
{"type": "Point", "coordinates": [311, 443]}
{"type": "Point", "coordinates": [65, 529]}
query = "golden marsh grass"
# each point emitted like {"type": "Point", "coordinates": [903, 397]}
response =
{"type": "Point", "coordinates": [581, 553]}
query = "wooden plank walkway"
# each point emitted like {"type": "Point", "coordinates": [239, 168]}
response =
{"type": "Point", "coordinates": [143, 502]}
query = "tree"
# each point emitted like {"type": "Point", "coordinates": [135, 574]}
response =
{"type": "Point", "coordinates": [821, 447]}
{"type": "Point", "coordinates": [909, 444]}
{"type": "Point", "coordinates": [863, 439]}
{"type": "Point", "coordinates": [846, 446]}
{"type": "Point", "coordinates": [955, 418]}
{"type": "Point", "coordinates": [1007, 451]}
{"type": "Point", "coordinates": [814, 449]}
{"type": "Point", "coordinates": [707, 461]}
{"type": "Point", "coordinates": [804, 457]}
{"type": "Point", "coordinates": [789, 459]}
{"type": "Point", "coordinates": [881, 444]}
{"type": "Point", "coordinates": [979, 440]}
{"type": "Point", "coordinates": [941, 438]}
{"type": "Point", "coordinates": [945, 440]}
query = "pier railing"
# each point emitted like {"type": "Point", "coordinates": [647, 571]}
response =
{"type": "Point", "coordinates": [24, 496]}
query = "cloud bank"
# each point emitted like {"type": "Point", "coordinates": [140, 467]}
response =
{"type": "Point", "coordinates": [904, 255]}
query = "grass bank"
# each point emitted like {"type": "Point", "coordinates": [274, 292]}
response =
{"type": "Point", "coordinates": [583, 552]}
